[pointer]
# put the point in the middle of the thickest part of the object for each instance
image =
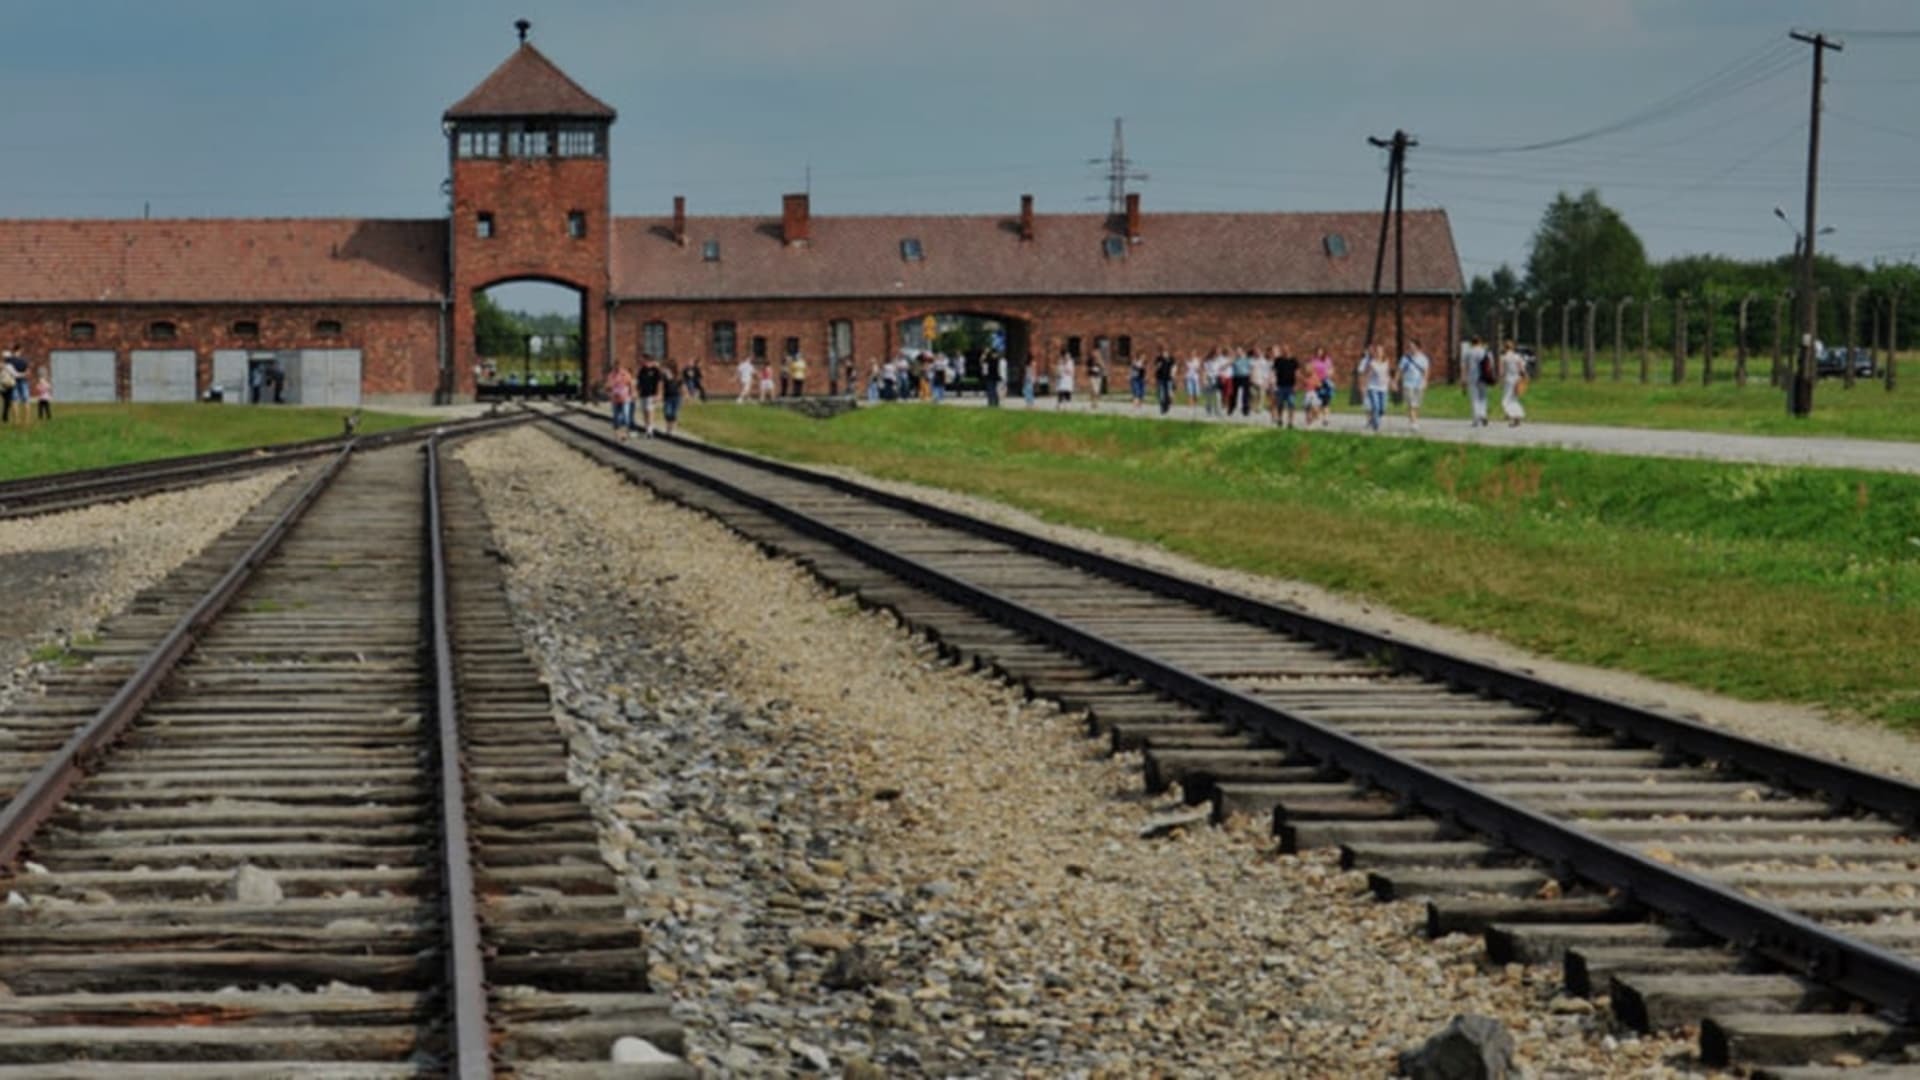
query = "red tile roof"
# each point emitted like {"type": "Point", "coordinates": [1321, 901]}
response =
{"type": "Point", "coordinates": [528, 84]}
{"type": "Point", "coordinates": [240, 260]}
{"type": "Point", "coordinates": [1192, 254]}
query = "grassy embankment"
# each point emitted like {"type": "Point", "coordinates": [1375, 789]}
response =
{"type": "Point", "coordinates": [1867, 411]}
{"type": "Point", "coordinates": [1759, 582]}
{"type": "Point", "coordinates": [92, 436]}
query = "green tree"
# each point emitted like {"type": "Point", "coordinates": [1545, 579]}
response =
{"type": "Point", "coordinates": [1585, 250]}
{"type": "Point", "coordinates": [496, 332]}
{"type": "Point", "coordinates": [1486, 295]}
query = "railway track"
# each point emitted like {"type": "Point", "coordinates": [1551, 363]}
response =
{"type": "Point", "coordinates": [304, 813]}
{"type": "Point", "coordinates": [72, 490]}
{"type": "Point", "coordinates": [1690, 875]}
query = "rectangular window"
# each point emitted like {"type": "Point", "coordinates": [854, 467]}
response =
{"type": "Point", "coordinates": [80, 331]}
{"type": "Point", "coordinates": [483, 226]}
{"type": "Point", "coordinates": [1123, 345]}
{"type": "Point", "coordinates": [246, 328]}
{"type": "Point", "coordinates": [653, 340]}
{"type": "Point", "coordinates": [532, 142]}
{"type": "Point", "coordinates": [161, 331]}
{"type": "Point", "coordinates": [1100, 348]}
{"type": "Point", "coordinates": [327, 328]}
{"type": "Point", "coordinates": [710, 251]}
{"type": "Point", "coordinates": [576, 224]}
{"type": "Point", "coordinates": [725, 340]}
{"type": "Point", "coordinates": [759, 348]}
{"type": "Point", "coordinates": [840, 339]}
{"type": "Point", "coordinates": [478, 142]}
{"type": "Point", "coordinates": [1073, 347]}
{"type": "Point", "coordinates": [911, 250]}
{"type": "Point", "coordinates": [579, 142]}
{"type": "Point", "coordinates": [793, 346]}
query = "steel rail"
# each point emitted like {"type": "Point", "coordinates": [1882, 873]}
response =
{"type": "Point", "coordinates": [36, 801]}
{"type": "Point", "coordinates": [466, 961]}
{"type": "Point", "coordinates": [19, 498]}
{"type": "Point", "coordinates": [1873, 974]}
{"type": "Point", "coordinates": [1841, 784]}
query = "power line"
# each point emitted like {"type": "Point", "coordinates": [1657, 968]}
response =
{"type": "Point", "coordinates": [1758, 67]}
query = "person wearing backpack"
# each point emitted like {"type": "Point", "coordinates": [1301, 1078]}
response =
{"type": "Point", "coordinates": [1477, 375]}
{"type": "Point", "coordinates": [9, 378]}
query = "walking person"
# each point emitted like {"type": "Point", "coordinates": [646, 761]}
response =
{"type": "Point", "coordinates": [797, 372]}
{"type": "Point", "coordinates": [1478, 372]}
{"type": "Point", "coordinates": [1137, 381]}
{"type": "Point", "coordinates": [43, 396]}
{"type": "Point", "coordinates": [694, 380]}
{"type": "Point", "coordinates": [1192, 386]}
{"type": "Point", "coordinates": [620, 394]}
{"type": "Point", "coordinates": [765, 375]}
{"type": "Point", "coordinates": [1210, 375]}
{"type": "Point", "coordinates": [1286, 372]}
{"type": "Point", "coordinates": [1242, 387]}
{"type": "Point", "coordinates": [1321, 367]}
{"type": "Point", "coordinates": [1096, 380]}
{"type": "Point", "coordinates": [671, 387]}
{"type": "Point", "coordinates": [8, 378]}
{"type": "Point", "coordinates": [1063, 381]}
{"type": "Point", "coordinates": [1027, 380]}
{"type": "Point", "coordinates": [1375, 378]}
{"type": "Point", "coordinates": [745, 373]}
{"type": "Point", "coordinates": [1414, 367]}
{"type": "Point", "coordinates": [646, 387]}
{"type": "Point", "coordinates": [1513, 383]}
{"type": "Point", "coordinates": [1163, 365]}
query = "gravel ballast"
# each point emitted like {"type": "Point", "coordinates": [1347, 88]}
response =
{"type": "Point", "coordinates": [851, 858]}
{"type": "Point", "coordinates": [62, 574]}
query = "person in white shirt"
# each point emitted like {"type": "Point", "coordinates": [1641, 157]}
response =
{"type": "Point", "coordinates": [1412, 377]}
{"type": "Point", "coordinates": [1513, 372]}
{"type": "Point", "coordinates": [744, 372]}
{"type": "Point", "coordinates": [1474, 370]}
{"type": "Point", "coordinates": [1063, 381]}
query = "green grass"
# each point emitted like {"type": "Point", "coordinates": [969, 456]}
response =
{"type": "Point", "coordinates": [1867, 411]}
{"type": "Point", "coordinates": [1761, 582]}
{"type": "Point", "coordinates": [92, 436]}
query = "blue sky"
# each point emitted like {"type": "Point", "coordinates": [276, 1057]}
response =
{"type": "Point", "coordinates": [276, 108]}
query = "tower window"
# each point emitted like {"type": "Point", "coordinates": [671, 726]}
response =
{"type": "Point", "coordinates": [246, 328]}
{"type": "Point", "coordinates": [911, 250]}
{"type": "Point", "coordinates": [725, 340]}
{"type": "Point", "coordinates": [327, 328]}
{"type": "Point", "coordinates": [80, 331]}
{"type": "Point", "coordinates": [579, 142]}
{"type": "Point", "coordinates": [478, 142]}
{"type": "Point", "coordinates": [653, 340]}
{"type": "Point", "coordinates": [483, 225]}
{"type": "Point", "coordinates": [161, 330]}
{"type": "Point", "coordinates": [576, 224]}
{"type": "Point", "coordinates": [528, 143]}
{"type": "Point", "coordinates": [710, 251]}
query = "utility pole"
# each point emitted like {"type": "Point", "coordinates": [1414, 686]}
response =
{"type": "Point", "coordinates": [1800, 400]}
{"type": "Point", "coordinates": [1394, 214]}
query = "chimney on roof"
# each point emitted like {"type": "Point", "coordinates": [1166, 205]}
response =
{"type": "Point", "coordinates": [1026, 217]}
{"type": "Point", "coordinates": [522, 26]}
{"type": "Point", "coordinates": [680, 220]}
{"type": "Point", "coordinates": [1133, 217]}
{"type": "Point", "coordinates": [794, 224]}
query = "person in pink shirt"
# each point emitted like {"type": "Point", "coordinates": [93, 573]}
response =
{"type": "Point", "coordinates": [43, 395]}
{"type": "Point", "coordinates": [620, 393]}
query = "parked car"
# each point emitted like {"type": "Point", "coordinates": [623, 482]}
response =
{"type": "Point", "coordinates": [1833, 360]}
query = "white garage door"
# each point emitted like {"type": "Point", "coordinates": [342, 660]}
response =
{"type": "Point", "coordinates": [162, 375]}
{"type": "Point", "coordinates": [82, 375]}
{"type": "Point", "coordinates": [230, 375]}
{"type": "Point", "coordinates": [323, 376]}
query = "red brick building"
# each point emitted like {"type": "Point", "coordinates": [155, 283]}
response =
{"type": "Point", "coordinates": [348, 309]}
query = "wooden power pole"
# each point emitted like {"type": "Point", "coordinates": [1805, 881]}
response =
{"type": "Point", "coordinates": [1800, 399]}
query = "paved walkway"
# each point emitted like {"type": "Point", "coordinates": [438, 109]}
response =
{"type": "Point", "coordinates": [1763, 449]}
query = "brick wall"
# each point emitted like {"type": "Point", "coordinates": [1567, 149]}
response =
{"type": "Point", "coordinates": [399, 344]}
{"type": "Point", "coordinates": [1185, 324]}
{"type": "Point", "coordinates": [529, 199]}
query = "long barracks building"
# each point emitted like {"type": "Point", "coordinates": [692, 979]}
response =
{"type": "Point", "coordinates": [382, 309]}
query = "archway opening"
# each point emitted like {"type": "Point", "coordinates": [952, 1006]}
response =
{"type": "Point", "coordinates": [974, 339]}
{"type": "Point", "coordinates": [529, 340]}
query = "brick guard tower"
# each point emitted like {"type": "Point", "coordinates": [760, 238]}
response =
{"type": "Point", "coordinates": [527, 152]}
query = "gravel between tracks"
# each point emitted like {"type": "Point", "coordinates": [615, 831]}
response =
{"type": "Point", "coordinates": [63, 573]}
{"type": "Point", "coordinates": [800, 796]}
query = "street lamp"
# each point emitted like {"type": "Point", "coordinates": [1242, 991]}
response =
{"type": "Point", "coordinates": [1798, 239]}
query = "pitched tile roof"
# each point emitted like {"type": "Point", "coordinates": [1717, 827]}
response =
{"type": "Point", "coordinates": [528, 84]}
{"type": "Point", "coordinates": [241, 260]}
{"type": "Point", "coordinates": [1195, 254]}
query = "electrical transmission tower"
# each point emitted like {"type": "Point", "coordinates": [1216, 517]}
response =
{"type": "Point", "coordinates": [1119, 171]}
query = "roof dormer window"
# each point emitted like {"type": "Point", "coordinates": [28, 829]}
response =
{"type": "Point", "coordinates": [710, 251]}
{"type": "Point", "coordinates": [1115, 247]}
{"type": "Point", "coordinates": [911, 250]}
{"type": "Point", "coordinates": [1335, 244]}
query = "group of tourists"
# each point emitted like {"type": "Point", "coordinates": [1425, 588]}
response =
{"type": "Point", "coordinates": [758, 379]}
{"type": "Point", "coordinates": [925, 376]}
{"type": "Point", "coordinates": [17, 386]}
{"type": "Point", "coordinates": [649, 389]}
